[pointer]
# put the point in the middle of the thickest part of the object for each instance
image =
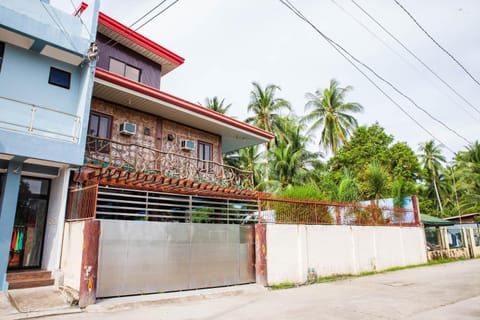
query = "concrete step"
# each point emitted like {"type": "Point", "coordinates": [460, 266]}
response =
{"type": "Point", "coordinates": [29, 279]}
{"type": "Point", "coordinates": [29, 283]}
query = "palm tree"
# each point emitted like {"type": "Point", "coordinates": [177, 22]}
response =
{"type": "Point", "coordinates": [332, 115]}
{"type": "Point", "coordinates": [349, 188]}
{"type": "Point", "coordinates": [266, 107]}
{"type": "Point", "coordinates": [290, 160]}
{"type": "Point", "coordinates": [216, 105]}
{"type": "Point", "coordinates": [467, 169]}
{"type": "Point", "coordinates": [377, 182]}
{"type": "Point", "coordinates": [251, 160]}
{"type": "Point", "coordinates": [432, 161]}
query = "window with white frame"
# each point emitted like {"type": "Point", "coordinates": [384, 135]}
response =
{"type": "Point", "coordinates": [123, 69]}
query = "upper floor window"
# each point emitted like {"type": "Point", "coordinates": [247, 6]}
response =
{"type": "Point", "coordinates": [124, 69]}
{"type": "Point", "coordinates": [100, 126]}
{"type": "Point", "coordinates": [2, 50]}
{"type": "Point", "coordinates": [59, 78]}
{"type": "Point", "coordinates": [205, 153]}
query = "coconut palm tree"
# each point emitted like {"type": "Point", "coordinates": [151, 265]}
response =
{"type": "Point", "coordinates": [349, 188]}
{"type": "Point", "coordinates": [432, 160]}
{"type": "Point", "coordinates": [266, 107]}
{"type": "Point", "coordinates": [377, 182]}
{"type": "Point", "coordinates": [217, 105]}
{"type": "Point", "coordinates": [289, 159]}
{"type": "Point", "coordinates": [331, 114]}
{"type": "Point", "coordinates": [467, 169]}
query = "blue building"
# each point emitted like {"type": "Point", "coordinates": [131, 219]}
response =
{"type": "Point", "coordinates": [47, 64]}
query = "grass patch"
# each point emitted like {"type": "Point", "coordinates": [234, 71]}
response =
{"type": "Point", "coordinates": [335, 277]}
{"type": "Point", "coordinates": [338, 277]}
{"type": "Point", "coordinates": [283, 285]}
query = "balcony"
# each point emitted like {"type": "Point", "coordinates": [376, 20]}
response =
{"type": "Point", "coordinates": [134, 157]}
{"type": "Point", "coordinates": [27, 118]}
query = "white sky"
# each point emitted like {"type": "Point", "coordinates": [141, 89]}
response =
{"type": "Point", "coordinates": [229, 44]}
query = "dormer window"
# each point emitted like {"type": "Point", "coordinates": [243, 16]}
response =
{"type": "Point", "coordinates": [123, 69]}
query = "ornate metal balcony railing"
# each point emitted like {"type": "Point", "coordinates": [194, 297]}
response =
{"type": "Point", "coordinates": [141, 158]}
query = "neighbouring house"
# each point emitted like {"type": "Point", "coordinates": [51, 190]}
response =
{"type": "Point", "coordinates": [153, 167]}
{"type": "Point", "coordinates": [46, 75]}
{"type": "Point", "coordinates": [467, 218]}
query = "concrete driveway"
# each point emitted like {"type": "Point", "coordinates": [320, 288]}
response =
{"type": "Point", "coordinates": [446, 291]}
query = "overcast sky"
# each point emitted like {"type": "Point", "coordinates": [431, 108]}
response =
{"type": "Point", "coordinates": [228, 44]}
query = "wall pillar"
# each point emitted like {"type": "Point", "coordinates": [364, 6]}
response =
{"type": "Point", "coordinates": [89, 270]}
{"type": "Point", "coordinates": [8, 208]}
{"type": "Point", "coordinates": [261, 254]}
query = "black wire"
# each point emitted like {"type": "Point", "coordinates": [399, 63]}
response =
{"type": "Point", "coordinates": [146, 14]}
{"type": "Point", "coordinates": [416, 57]}
{"type": "Point", "coordinates": [168, 7]}
{"type": "Point", "coordinates": [373, 34]}
{"type": "Point", "coordinates": [436, 42]}
{"type": "Point", "coordinates": [342, 51]}
{"type": "Point", "coordinates": [148, 21]}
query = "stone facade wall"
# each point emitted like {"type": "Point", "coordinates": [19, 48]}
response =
{"type": "Point", "coordinates": [152, 133]}
{"type": "Point", "coordinates": [181, 132]}
{"type": "Point", "coordinates": [121, 114]}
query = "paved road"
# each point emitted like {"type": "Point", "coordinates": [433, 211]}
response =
{"type": "Point", "coordinates": [447, 291]}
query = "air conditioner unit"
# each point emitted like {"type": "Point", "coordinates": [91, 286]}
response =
{"type": "Point", "coordinates": [128, 128]}
{"type": "Point", "coordinates": [188, 145]}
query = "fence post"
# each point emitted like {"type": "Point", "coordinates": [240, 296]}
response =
{"type": "Point", "coordinates": [89, 269]}
{"type": "Point", "coordinates": [416, 210]}
{"type": "Point", "coordinates": [261, 254]}
{"type": "Point", "coordinates": [444, 238]}
{"type": "Point", "coordinates": [469, 241]}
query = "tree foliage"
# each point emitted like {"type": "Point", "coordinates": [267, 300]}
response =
{"type": "Point", "coordinates": [330, 113]}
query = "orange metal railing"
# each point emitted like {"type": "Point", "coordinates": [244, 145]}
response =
{"type": "Point", "coordinates": [295, 211]}
{"type": "Point", "coordinates": [82, 203]}
{"type": "Point", "coordinates": [139, 158]}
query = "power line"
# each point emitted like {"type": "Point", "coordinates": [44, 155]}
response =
{"type": "Point", "coordinates": [168, 7]}
{"type": "Point", "coordinates": [301, 16]}
{"type": "Point", "coordinates": [373, 34]}
{"type": "Point", "coordinates": [81, 20]}
{"type": "Point", "coordinates": [345, 53]}
{"type": "Point", "coordinates": [148, 12]}
{"type": "Point", "coordinates": [59, 25]}
{"type": "Point", "coordinates": [416, 57]}
{"type": "Point", "coordinates": [139, 19]}
{"type": "Point", "coordinates": [145, 23]}
{"type": "Point", "coordinates": [436, 42]}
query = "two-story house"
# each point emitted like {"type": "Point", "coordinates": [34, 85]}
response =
{"type": "Point", "coordinates": [154, 208]}
{"type": "Point", "coordinates": [46, 74]}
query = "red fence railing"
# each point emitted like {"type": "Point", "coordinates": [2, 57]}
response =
{"type": "Point", "coordinates": [82, 203]}
{"type": "Point", "coordinates": [295, 211]}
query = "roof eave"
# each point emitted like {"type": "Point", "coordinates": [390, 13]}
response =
{"type": "Point", "coordinates": [142, 41]}
{"type": "Point", "coordinates": [120, 82]}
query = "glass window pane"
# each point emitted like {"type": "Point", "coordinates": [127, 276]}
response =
{"type": "Point", "coordinates": [201, 150]}
{"type": "Point", "coordinates": [208, 152]}
{"type": "Point", "coordinates": [104, 128]}
{"type": "Point", "coordinates": [59, 78]}
{"type": "Point", "coordinates": [2, 50]}
{"type": "Point", "coordinates": [117, 67]}
{"type": "Point", "coordinates": [93, 126]}
{"type": "Point", "coordinates": [132, 73]}
{"type": "Point", "coordinates": [36, 186]}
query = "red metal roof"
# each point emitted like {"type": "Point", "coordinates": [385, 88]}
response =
{"type": "Point", "coordinates": [142, 41]}
{"type": "Point", "coordinates": [155, 93]}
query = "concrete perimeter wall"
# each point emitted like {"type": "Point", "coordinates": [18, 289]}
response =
{"type": "Point", "coordinates": [71, 263]}
{"type": "Point", "coordinates": [293, 250]}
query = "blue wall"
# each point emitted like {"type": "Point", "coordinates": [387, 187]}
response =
{"type": "Point", "coordinates": [24, 76]}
